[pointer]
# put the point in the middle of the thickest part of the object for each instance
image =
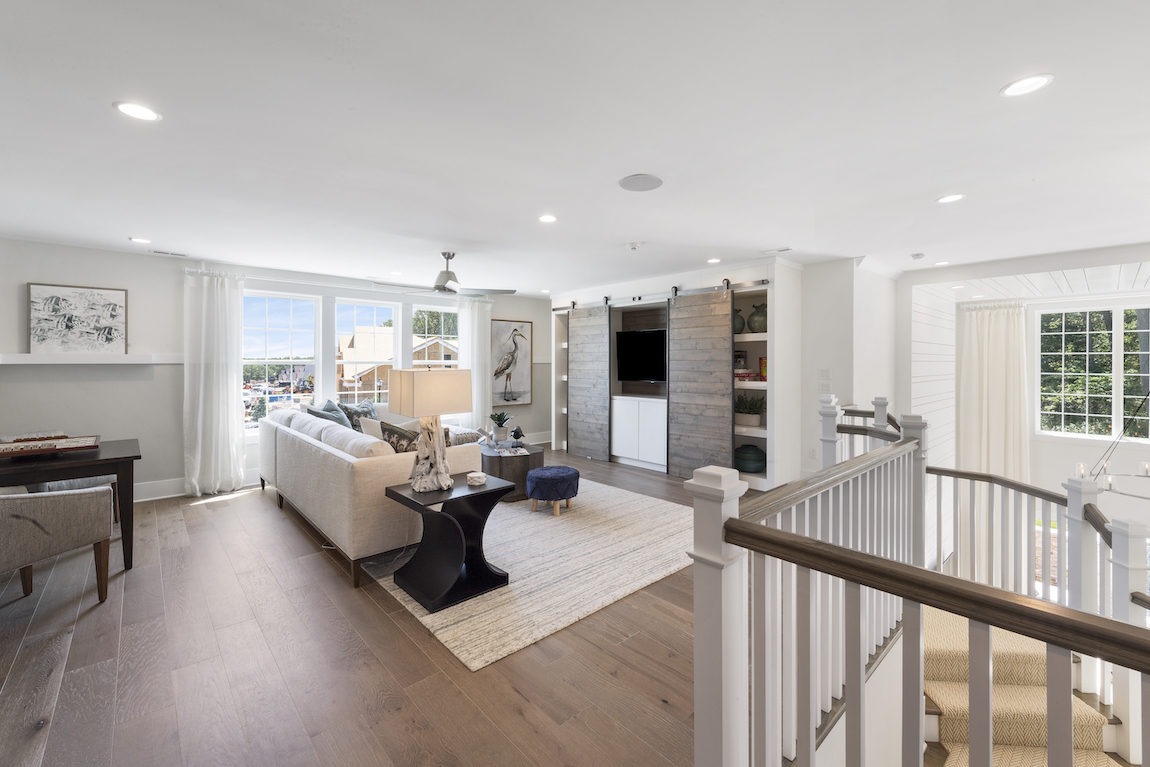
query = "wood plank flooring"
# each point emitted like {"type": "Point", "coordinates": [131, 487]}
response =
{"type": "Point", "coordinates": [238, 640]}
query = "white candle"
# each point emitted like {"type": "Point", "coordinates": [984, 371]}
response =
{"type": "Point", "coordinates": [1109, 482]}
{"type": "Point", "coordinates": [1082, 470]}
{"type": "Point", "coordinates": [1146, 469]}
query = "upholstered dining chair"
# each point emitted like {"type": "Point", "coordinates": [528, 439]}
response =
{"type": "Point", "coordinates": [35, 526]}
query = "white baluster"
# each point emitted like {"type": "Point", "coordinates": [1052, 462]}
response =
{"type": "Point", "coordinates": [1019, 547]}
{"type": "Point", "coordinates": [854, 688]}
{"type": "Point", "coordinates": [1031, 544]}
{"type": "Point", "coordinates": [762, 674]}
{"type": "Point", "coordinates": [787, 523]}
{"type": "Point", "coordinates": [980, 695]}
{"type": "Point", "coordinates": [1047, 592]}
{"type": "Point", "coordinates": [722, 706]}
{"type": "Point", "coordinates": [1059, 708]}
{"type": "Point", "coordinates": [913, 717]}
{"type": "Point", "coordinates": [805, 663]}
{"type": "Point", "coordinates": [1129, 574]}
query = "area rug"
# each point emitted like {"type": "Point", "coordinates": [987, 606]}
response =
{"type": "Point", "coordinates": [609, 544]}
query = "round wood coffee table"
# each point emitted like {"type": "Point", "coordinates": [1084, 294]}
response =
{"type": "Point", "coordinates": [512, 468]}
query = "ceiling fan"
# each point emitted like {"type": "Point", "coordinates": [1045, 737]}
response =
{"type": "Point", "coordinates": [447, 284]}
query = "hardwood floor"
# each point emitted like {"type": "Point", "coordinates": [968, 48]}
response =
{"type": "Point", "coordinates": [238, 640]}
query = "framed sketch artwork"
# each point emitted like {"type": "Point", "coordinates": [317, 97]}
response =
{"type": "Point", "coordinates": [511, 363]}
{"type": "Point", "coordinates": [65, 318]}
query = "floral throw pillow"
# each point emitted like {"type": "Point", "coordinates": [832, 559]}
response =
{"type": "Point", "coordinates": [365, 409]}
{"type": "Point", "coordinates": [401, 440]}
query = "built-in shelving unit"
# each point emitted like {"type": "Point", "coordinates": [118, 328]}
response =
{"type": "Point", "coordinates": [755, 345]}
{"type": "Point", "coordinates": [559, 330]}
{"type": "Point", "coordinates": [759, 385]}
{"type": "Point", "coordinates": [91, 359]}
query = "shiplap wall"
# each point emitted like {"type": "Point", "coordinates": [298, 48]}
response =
{"type": "Point", "coordinates": [589, 383]}
{"type": "Point", "coordinates": [699, 384]}
{"type": "Point", "coordinates": [932, 388]}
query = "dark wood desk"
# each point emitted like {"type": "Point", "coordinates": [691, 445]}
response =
{"type": "Point", "coordinates": [449, 566]}
{"type": "Point", "coordinates": [112, 457]}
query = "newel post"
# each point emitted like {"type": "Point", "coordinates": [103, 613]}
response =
{"type": "Point", "coordinates": [1129, 568]}
{"type": "Point", "coordinates": [829, 414]}
{"type": "Point", "coordinates": [880, 404]}
{"type": "Point", "coordinates": [1082, 567]}
{"type": "Point", "coordinates": [913, 724]}
{"type": "Point", "coordinates": [722, 643]}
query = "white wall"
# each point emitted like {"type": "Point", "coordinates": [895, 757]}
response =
{"type": "Point", "coordinates": [874, 338]}
{"type": "Point", "coordinates": [114, 401]}
{"type": "Point", "coordinates": [882, 729]}
{"type": "Point", "coordinates": [828, 341]}
{"type": "Point", "coordinates": [534, 419]}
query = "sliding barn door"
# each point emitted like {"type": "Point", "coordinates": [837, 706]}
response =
{"type": "Point", "coordinates": [589, 383]}
{"type": "Point", "coordinates": [699, 383]}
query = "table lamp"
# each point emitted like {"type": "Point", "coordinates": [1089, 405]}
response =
{"type": "Point", "coordinates": [426, 395]}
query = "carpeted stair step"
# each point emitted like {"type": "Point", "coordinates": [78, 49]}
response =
{"type": "Point", "coordinates": [1019, 713]}
{"type": "Point", "coordinates": [1024, 756]}
{"type": "Point", "coordinates": [1018, 660]}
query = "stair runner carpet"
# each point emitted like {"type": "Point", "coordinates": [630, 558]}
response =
{"type": "Point", "coordinates": [1019, 699]}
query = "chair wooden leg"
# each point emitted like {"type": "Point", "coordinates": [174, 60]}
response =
{"type": "Point", "coordinates": [100, 549]}
{"type": "Point", "coordinates": [555, 505]}
{"type": "Point", "coordinates": [115, 502]}
{"type": "Point", "coordinates": [535, 504]}
{"type": "Point", "coordinates": [26, 579]}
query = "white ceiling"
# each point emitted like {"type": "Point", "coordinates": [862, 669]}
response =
{"type": "Point", "coordinates": [361, 138]}
{"type": "Point", "coordinates": [1060, 283]}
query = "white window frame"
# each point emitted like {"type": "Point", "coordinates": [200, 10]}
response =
{"type": "Point", "coordinates": [440, 363]}
{"type": "Point", "coordinates": [253, 431]}
{"type": "Point", "coordinates": [397, 325]}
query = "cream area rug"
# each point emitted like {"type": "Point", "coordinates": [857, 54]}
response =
{"type": "Point", "coordinates": [609, 544]}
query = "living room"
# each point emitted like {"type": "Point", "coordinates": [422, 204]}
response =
{"type": "Point", "coordinates": [330, 154]}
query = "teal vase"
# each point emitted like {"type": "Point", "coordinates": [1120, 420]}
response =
{"type": "Point", "coordinates": [737, 322]}
{"type": "Point", "coordinates": [757, 322]}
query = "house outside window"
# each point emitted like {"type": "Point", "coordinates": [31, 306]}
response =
{"type": "Point", "coordinates": [435, 340]}
{"type": "Point", "coordinates": [279, 354]}
{"type": "Point", "coordinates": [365, 351]}
{"type": "Point", "coordinates": [1094, 373]}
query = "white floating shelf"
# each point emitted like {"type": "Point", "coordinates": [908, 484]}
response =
{"type": "Point", "coordinates": [760, 385]}
{"type": "Point", "coordinates": [756, 480]}
{"type": "Point", "coordinates": [743, 338]}
{"type": "Point", "coordinates": [563, 345]}
{"type": "Point", "coordinates": [91, 359]}
{"type": "Point", "coordinates": [563, 411]}
{"type": "Point", "coordinates": [752, 431]}
{"type": "Point", "coordinates": [562, 378]}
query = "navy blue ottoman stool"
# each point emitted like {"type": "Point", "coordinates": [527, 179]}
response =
{"type": "Point", "coordinates": [554, 484]}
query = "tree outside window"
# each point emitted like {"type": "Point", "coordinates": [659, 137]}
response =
{"type": "Point", "coordinates": [278, 355]}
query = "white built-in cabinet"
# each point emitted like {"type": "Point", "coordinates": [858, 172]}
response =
{"type": "Point", "coordinates": [639, 429]}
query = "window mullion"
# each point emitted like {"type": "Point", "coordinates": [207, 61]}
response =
{"type": "Point", "coordinates": [1117, 369]}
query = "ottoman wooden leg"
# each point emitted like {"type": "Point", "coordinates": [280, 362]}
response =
{"type": "Point", "coordinates": [535, 504]}
{"type": "Point", "coordinates": [555, 504]}
{"type": "Point", "coordinates": [568, 503]}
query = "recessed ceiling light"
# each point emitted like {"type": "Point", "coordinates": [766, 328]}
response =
{"type": "Point", "coordinates": [548, 219]}
{"type": "Point", "coordinates": [957, 287]}
{"type": "Point", "coordinates": [136, 110]}
{"type": "Point", "coordinates": [640, 182]}
{"type": "Point", "coordinates": [978, 296]}
{"type": "Point", "coordinates": [546, 291]}
{"type": "Point", "coordinates": [140, 240]}
{"type": "Point", "coordinates": [712, 260]}
{"type": "Point", "coordinates": [1026, 85]}
{"type": "Point", "coordinates": [396, 274]}
{"type": "Point", "coordinates": [941, 263]}
{"type": "Point", "coordinates": [951, 198]}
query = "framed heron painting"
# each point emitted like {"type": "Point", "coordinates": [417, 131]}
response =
{"type": "Point", "coordinates": [510, 362]}
{"type": "Point", "coordinates": [66, 318]}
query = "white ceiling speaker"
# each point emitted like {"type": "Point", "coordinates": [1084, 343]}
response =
{"type": "Point", "coordinates": [640, 182]}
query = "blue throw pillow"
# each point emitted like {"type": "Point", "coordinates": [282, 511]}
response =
{"type": "Point", "coordinates": [331, 412]}
{"type": "Point", "coordinates": [365, 409]}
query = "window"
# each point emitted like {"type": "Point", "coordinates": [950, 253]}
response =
{"type": "Point", "coordinates": [436, 338]}
{"type": "Point", "coordinates": [365, 351]}
{"type": "Point", "coordinates": [1093, 376]}
{"type": "Point", "coordinates": [279, 354]}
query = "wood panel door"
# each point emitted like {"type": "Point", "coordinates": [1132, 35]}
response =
{"type": "Point", "coordinates": [699, 383]}
{"type": "Point", "coordinates": [589, 383]}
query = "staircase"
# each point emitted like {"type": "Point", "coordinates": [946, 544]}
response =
{"type": "Point", "coordinates": [1019, 695]}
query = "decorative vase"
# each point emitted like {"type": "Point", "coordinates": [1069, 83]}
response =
{"type": "Point", "coordinates": [737, 322]}
{"type": "Point", "coordinates": [499, 433]}
{"type": "Point", "coordinates": [757, 322]}
{"type": "Point", "coordinates": [748, 419]}
{"type": "Point", "coordinates": [750, 459]}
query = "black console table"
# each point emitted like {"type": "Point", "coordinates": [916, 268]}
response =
{"type": "Point", "coordinates": [448, 566]}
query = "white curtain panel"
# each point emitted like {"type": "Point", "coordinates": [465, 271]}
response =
{"type": "Point", "coordinates": [475, 355]}
{"type": "Point", "coordinates": [213, 384]}
{"type": "Point", "coordinates": [992, 431]}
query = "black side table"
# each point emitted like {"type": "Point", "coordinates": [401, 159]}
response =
{"type": "Point", "coordinates": [512, 468]}
{"type": "Point", "coordinates": [449, 566]}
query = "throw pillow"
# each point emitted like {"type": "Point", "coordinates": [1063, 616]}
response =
{"type": "Point", "coordinates": [365, 409]}
{"type": "Point", "coordinates": [461, 436]}
{"type": "Point", "coordinates": [331, 412]}
{"type": "Point", "coordinates": [401, 440]}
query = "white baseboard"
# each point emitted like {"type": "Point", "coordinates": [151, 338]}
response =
{"type": "Point", "coordinates": [639, 464]}
{"type": "Point", "coordinates": [157, 489]}
{"type": "Point", "coordinates": [251, 477]}
{"type": "Point", "coordinates": [538, 437]}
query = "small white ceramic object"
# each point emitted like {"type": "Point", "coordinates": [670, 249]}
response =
{"type": "Point", "coordinates": [476, 478]}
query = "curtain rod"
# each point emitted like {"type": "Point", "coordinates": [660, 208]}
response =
{"type": "Point", "coordinates": [209, 273]}
{"type": "Point", "coordinates": [672, 294]}
{"type": "Point", "coordinates": [999, 303]}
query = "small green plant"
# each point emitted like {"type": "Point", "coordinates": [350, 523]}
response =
{"type": "Point", "coordinates": [748, 403]}
{"type": "Point", "coordinates": [501, 419]}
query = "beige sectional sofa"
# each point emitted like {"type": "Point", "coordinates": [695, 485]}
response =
{"type": "Point", "coordinates": [335, 477]}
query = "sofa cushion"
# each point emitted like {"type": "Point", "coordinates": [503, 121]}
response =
{"type": "Point", "coordinates": [365, 409]}
{"type": "Point", "coordinates": [355, 444]}
{"type": "Point", "coordinates": [331, 412]}
{"type": "Point", "coordinates": [313, 427]}
{"type": "Point", "coordinates": [282, 415]}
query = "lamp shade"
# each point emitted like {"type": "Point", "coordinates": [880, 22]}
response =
{"type": "Point", "coordinates": [418, 393]}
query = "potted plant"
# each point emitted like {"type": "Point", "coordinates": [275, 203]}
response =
{"type": "Point", "coordinates": [749, 410]}
{"type": "Point", "coordinates": [499, 433]}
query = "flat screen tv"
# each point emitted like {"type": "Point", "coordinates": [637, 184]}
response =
{"type": "Point", "coordinates": [641, 355]}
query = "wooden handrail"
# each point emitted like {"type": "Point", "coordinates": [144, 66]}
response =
{"type": "Point", "coordinates": [758, 508]}
{"type": "Point", "coordinates": [1098, 521]}
{"type": "Point", "coordinates": [1140, 598]}
{"type": "Point", "coordinates": [856, 413]}
{"type": "Point", "coordinates": [1092, 635]}
{"type": "Point", "coordinates": [868, 431]}
{"type": "Point", "coordinates": [994, 479]}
